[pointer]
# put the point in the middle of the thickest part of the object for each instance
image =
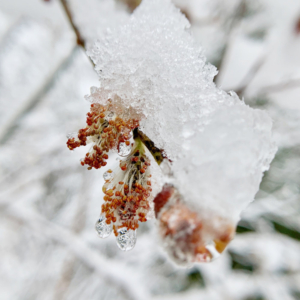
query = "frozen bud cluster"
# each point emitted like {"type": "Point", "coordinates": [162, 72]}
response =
{"type": "Point", "coordinates": [154, 77]}
{"type": "Point", "coordinates": [106, 128]}
{"type": "Point", "coordinates": [127, 192]}
{"type": "Point", "coordinates": [190, 235]}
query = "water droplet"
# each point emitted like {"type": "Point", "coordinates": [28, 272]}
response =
{"type": "Point", "coordinates": [103, 229]}
{"type": "Point", "coordinates": [126, 239]}
{"type": "Point", "coordinates": [72, 135]}
{"type": "Point", "coordinates": [107, 175]}
{"type": "Point", "coordinates": [124, 150]}
{"type": "Point", "coordinates": [110, 116]}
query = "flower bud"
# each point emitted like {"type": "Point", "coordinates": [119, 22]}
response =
{"type": "Point", "coordinates": [190, 236]}
{"type": "Point", "coordinates": [105, 130]}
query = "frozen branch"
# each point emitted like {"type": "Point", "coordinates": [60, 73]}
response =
{"type": "Point", "coordinates": [289, 84]}
{"type": "Point", "coordinates": [250, 75]}
{"type": "Point", "coordinates": [79, 40]}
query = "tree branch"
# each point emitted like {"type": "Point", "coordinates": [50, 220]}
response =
{"type": "Point", "coordinates": [250, 75]}
{"type": "Point", "coordinates": [289, 84]}
{"type": "Point", "coordinates": [80, 41]}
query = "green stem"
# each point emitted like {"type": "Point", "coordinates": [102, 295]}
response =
{"type": "Point", "coordinates": [155, 152]}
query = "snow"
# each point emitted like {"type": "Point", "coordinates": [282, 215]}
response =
{"type": "Point", "coordinates": [154, 66]}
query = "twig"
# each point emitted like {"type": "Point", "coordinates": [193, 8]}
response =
{"type": "Point", "coordinates": [250, 75]}
{"type": "Point", "coordinates": [80, 41]}
{"type": "Point", "coordinates": [290, 84]}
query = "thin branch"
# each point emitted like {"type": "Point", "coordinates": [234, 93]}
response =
{"type": "Point", "coordinates": [250, 75]}
{"type": "Point", "coordinates": [80, 41]}
{"type": "Point", "coordinates": [289, 84]}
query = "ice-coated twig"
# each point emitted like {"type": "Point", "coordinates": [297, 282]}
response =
{"type": "Point", "coordinates": [79, 40]}
{"type": "Point", "coordinates": [278, 87]}
{"type": "Point", "coordinates": [110, 270]}
{"type": "Point", "coordinates": [250, 75]}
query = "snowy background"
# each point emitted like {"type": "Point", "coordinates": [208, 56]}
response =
{"type": "Point", "coordinates": [49, 203]}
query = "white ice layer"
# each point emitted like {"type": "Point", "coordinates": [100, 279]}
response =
{"type": "Point", "coordinates": [222, 166]}
{"type": "Point", "coordinates": [152, 65]}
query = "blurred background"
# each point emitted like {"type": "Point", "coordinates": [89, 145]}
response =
{"type": "Point", "coordinates": [49, 203]}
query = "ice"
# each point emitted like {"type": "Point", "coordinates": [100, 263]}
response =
{"type": "Point", "coordinates": [104, 230]}
{"type": "Point", "coordinates": [222, 167]}
{"type": "Point", "coordinates": [72, 135]}
{"type": "Point", "coordinates": [154, 70]}
{"type": "Point", "coordinates": [124, 150]}
{"type": "Point", "coordinates": [108, 175]}
{"type": "Point", "coordinates": [126, 239]}
{"type": "Point", "coordinates": [153, 66]}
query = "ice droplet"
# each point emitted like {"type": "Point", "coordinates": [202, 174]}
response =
{"type": "Point", "coordinates": [126, 239]}
{"type": "Point", "coordinates": [72, 135]}
{"type": "Point", "coordinates": [110, 116]}
{"type": "Point", "coordinates": [103, 229]}
{"type": "Point", "coordinates": [124, 150]}
{"type": "Point", "coordinates": [108, 175]}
